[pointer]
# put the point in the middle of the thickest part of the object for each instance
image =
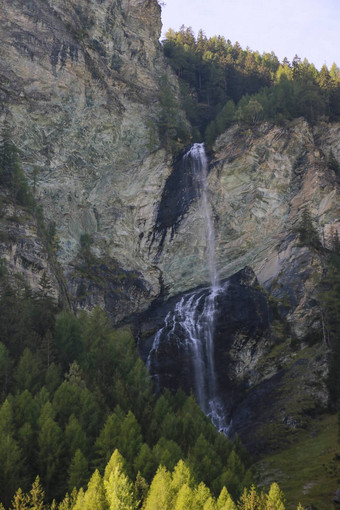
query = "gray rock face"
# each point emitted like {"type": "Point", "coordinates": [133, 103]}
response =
{"type": "Point", "coordinates": [260, 181]}
{"type": "Point", "coordinates": [79, 84]}
{"type": "Point", "coordinates": [79, 88]}
{"type": "Point", "coordinates": [21, 248]}
{"type": "Point", "coordinates": [266, 386]}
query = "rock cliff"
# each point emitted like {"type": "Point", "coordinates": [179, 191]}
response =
{"type": "Point", "coordinates": [79, 88]}
{"type": "Point", "coordinates": [260, 181]}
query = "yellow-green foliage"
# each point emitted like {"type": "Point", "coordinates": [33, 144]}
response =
{"type": "Point", "coordinates": [168, 491]}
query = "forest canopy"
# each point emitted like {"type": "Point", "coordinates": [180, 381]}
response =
{"type": "Point", "coordinates": [221, 83]}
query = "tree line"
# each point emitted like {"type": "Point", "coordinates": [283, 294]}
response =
{"type": "Point", "coordinates": [221, 83]}
{"type": "Point", "coordinates": [169, 490]}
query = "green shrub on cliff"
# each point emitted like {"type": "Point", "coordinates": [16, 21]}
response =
{"type": "Point", "coordinates": [12, 175]}
{"type": "Point", "coordinates": [308, 235]}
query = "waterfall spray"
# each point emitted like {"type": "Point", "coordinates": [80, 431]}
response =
{"type": "Point", "coordinates": [194, 314]}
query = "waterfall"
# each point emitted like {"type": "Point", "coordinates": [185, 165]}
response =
{"type": "Point", "coordinates": [192, 322]}
{"type": "Point", "coordinates": [197, 157]}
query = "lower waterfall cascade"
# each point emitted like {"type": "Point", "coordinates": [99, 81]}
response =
{"type": "Point", "coordinates": [192, 321]}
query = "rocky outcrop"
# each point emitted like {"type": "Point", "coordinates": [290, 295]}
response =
{"type": "Point", "coordinates": [267, 385]}
{"type": "Point", "coordinates": [260, 181]}
{"type": "Point", "coordinates": [79, 87]}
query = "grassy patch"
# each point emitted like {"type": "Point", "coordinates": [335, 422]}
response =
{"type": "Point", "coordinates": [308, 471]}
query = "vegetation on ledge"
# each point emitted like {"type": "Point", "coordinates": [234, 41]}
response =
{"type": "Point", "coordinates": [221, 83]}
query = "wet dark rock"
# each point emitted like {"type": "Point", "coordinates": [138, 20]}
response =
{"type": "Point", "coordinates": [180, 190]}
{"type": "Point", "coordinates": [241, 310]}
{"type": "Point", "coordinates": [265, 396]}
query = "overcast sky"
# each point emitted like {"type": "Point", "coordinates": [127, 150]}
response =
{"type": "Point", "coordinates": [308, 28]}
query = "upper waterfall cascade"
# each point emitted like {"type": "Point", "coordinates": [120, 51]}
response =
{"type": "Point", "coordinates": [192, 321]}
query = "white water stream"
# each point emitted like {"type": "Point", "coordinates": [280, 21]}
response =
{"type": "Point", "coordinates": [194, 314]}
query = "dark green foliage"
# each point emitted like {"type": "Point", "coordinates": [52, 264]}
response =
{"type": "Point", "coordinates": [67, 336]}
{"type": "Point", "coordinates": [308, 235]}
{"type": "Point", "coordinates": [216, 75]}
{"type": "Point", "coordinates": [329, 296]}
{"type": "Point", "coordinates": [78, 472]}
{"type": "Point", "coordinates": [85, 244]}
{"type": "Point", "coordinates": [173, 131]}
{"type": "Point", "coordinates": [12, 175]}
{"type": "Point", "coordinates": [98, 397]}
{"type": "Point", "coordinates": [11, 465]}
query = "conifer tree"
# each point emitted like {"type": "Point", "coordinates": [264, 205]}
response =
{"type": "Point", "coordinates": [184, 498]}
{"type": "Point", "coordinates": [252, 500]}
{"type": "Point", "coordinates": [308, 234]}
{"type": "Point", "coordinates": [119, 491]}
{"type": "Point", "coordinates": [130, 439]}
{"type": "Point", "coordinates": [145, 462]}
{"type": "Point", "coordinates": [225, 501]}
{"type": "Point", "coordinates": [19, 501]}
{"type": "Point", "coordinates": [116, 462]}
{"type": "Point", "coordinates": [75, 437]}
{"type": "Point", "coordinates": [50, 447]}
{"type": "Point", "coordinates": [27, 374]}
{"type": "Point", "coordinates": [140, 490]}
{"type": "Point", "coordinates": [11, 459]}
{"type": "Point", "coordinates": [181, 476]}
{"type": "Point", "coordinates": [36, 496]}
{"type": "Point", "coordinates": [210, 504]}
{"type": "Point", "coordinates": [78, 471]}
{"type": "Point", "coordinates": [201, 496]}
{"type": "Point", "coordinates": [69, 501]}
{"type": "Point", "coordinates": [275, 498]}
{"type": "Point", "coordinates": [160, 494]}
{"type": "Point", "coordinates": [94, 497]}
{"type": "Point", "coordinates": [118, 488]}
{"type": "Point", "coordinates": [79, 503]}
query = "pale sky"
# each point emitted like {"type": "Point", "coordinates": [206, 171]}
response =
{"type": "Point", "coordinates": [308, 28]}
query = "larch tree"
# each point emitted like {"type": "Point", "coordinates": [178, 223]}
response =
{"type": "Point", "coordinates": [160, 494]}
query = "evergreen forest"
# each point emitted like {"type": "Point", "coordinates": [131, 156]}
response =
{"type": "Point", "coordinates": [222, 84]}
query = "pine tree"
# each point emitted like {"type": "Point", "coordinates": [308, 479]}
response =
{"type": "Point", "coordinates": [19, 501]}
{"type": "Point", "coordinates": [75, 437]}
{"type": "Point", "coordinates": [201, 496]}
{"type": "Point", "coordinates": [94, 498]}
{"type": "Point", "coordinates": [116, 462]}
{"type": "Point", "coordinates": [36, 496]}
{"type": "Point", "coordinates": [308, 234]}
{"type": "Point", "coordinates": [118, 488]}
{"type": "Point", "coordinates": [181, 476]}
{"type": "Point", "coordinates": [79, 503]}
{"type": "Point", "coordinates": [252, 500]}
{"type": "Point", "coordinates": [78, 471]}
{"type": "Point", "coordinates": [145, 462]}
{"type": "Point", "coordinates": [275, 498]}
{"type": "Point", "coordinates": [160, 494]}
{"type": "Point", "coordinates": [225, 501]}
{"type": "Point", "coordinates": [130, 438]}
{"type": "Point", "coordinates": [11, 458]}
{"type": "Point", "coordinates": [50, 447]}
{"type": "Point", "coordinates": [141, 489]}
{"type": "Point", "coordinates": [210, 504]}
